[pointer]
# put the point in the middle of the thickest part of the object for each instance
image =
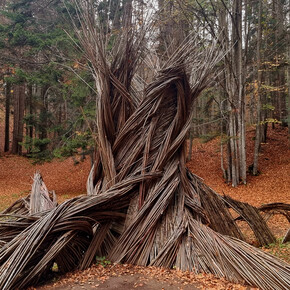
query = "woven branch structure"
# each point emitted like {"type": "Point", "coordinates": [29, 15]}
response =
{"type": "Point", "coordinates": [143, 206]}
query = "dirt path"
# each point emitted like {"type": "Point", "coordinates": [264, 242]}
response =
{"type": "Point", "coordinates": [134, 281]}
{"type": "Point", "coordinates": [136, 277]}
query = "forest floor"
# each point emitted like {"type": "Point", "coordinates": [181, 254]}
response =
{"type": "Point", "coordinates": [68, 180]}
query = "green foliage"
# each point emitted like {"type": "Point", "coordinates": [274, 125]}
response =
{"type": "Point", "coordinates": [47, 75]}
{"type": "Point", "coordinates": [270, 121]}
{"type": "Point", "coordinates": [279, 250]}
{"type": "Point", "coordinates": [81, 142]}
{"type": "Point", "coordinates": [268, 106]}
{"type": "Point", "coordinates": [54, 267]}
{"type": "Point", "coordinates": [102, 261]}
{"type": "Point", "coordinates": [35, 148]}
{"type": "Point", "coordinates": [30, 32]}
{"type": "Point", "coordinates": [30, 120]}
{"type": "Point", "coordinates": [42, 56]}
{"type": "Point", "coordinates": [78, 88]}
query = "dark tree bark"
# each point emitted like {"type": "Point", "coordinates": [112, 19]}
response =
{"type": "Point", "coordinates": [43, 116]}
{"type": "Point", "coordinates": [19, 106]}
{"type": "Point", "coordinates": [30, 108]}
{"type": "Point", "coordinates": [7, 116]}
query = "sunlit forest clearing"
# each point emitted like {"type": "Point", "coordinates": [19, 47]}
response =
{"type": "Point", "coordinates": [144, 139]}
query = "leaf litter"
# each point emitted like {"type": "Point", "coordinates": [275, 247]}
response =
{"type": "Point", "coordinates": [258, 191]}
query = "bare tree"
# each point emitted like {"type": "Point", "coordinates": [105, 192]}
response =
{"type": "Point", "coordinates": [259, 77]}
{"type": "Point", "coordinates": [8, 89]}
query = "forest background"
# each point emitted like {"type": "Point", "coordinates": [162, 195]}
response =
{"type": "Point", "coordinates": [48, 97]}
{"type": "Point", "coordinates": [48, 94]}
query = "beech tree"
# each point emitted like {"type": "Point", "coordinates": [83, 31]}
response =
{"type": "Point", "coordinates": [244, 89]}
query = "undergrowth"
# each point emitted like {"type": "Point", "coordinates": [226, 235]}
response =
{"type": "Point", "coordinates": [279, 250]}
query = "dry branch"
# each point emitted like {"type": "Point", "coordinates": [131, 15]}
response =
{"type": "Point", "coordinates": [251, 215]}
{"type": "Point", "coordinates": [40, 198]}
{"type": "Point", "coordinates": [276, 208]}
{"type": "Point", "coordinates": [286, 238]}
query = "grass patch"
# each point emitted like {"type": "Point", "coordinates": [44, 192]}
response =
{"type": "Point", "coordinates": [279, 250]}
{"type": "Point", "coordinates": [102, 261]}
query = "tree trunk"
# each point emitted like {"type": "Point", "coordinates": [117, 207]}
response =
{"type": "Point", "coordinates": [30, 106]}
{"type": "Point", "coordinates": [259, 78]}
{"type": "Point", "coordinates": [281, 37]}
{"type": "Point", "coordinates": [288, 82]}
{"type": "Point", "coordinates": [19, 106]}
{"type": "Point", "coordinates": [222, 152]}
{"type": "Point", "coordinates": [239, 80]}
{"type": "Point", "coordinates": [235, 97]}
{"type": "Point", "coordinates": [7, 116]}
{"type": "Point", "coordinates": [43, 117]}
{"type": "Point", "coordinates": [29, 123]}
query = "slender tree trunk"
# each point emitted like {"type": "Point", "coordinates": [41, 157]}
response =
{"type": "Point", "coordinates": [19, 106]}
{"type": "Point", "coordinates": [252, 103]}
{"type": "Point", "coordinates": [29, 125]}
{"type": "Point", "coordinates": [127, 16]}
{"type": "Point", "coordinates": [43, 116]}
{"type": "Point", "coordinates": [117, 16]}
{"type": "Point", "coordinates": [239, 72]}
{"type": "Point", "coordinates": [222, 152]}
{"type": "Point", "coordinates": [172, 30]}
{"type": "Point", "coordinates": [259, 78]}
{"type": "Point", "coordinates": [234, 148]}
{"type": "Point", "coordinates": [280, 33]}
{"type": "Point", "coordinates": [30, 105]}
{"type": "Point", "coordinates": [7, 116]}
{"type": "Point", "coordinates": [234, 89]}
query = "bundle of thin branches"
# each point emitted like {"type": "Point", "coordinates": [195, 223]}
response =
{"type": "Point", "coordinates": [113, 70]}
{"type": "Point", "coordinates": [153, 140]}
{"type": "Point", "coordinates": [165, 227]}
{"type": "Point", "coordinates": [143, 206]}
{"type": "Point", "coordinates": [67, 235]}
{"type": "Point", "coordinates": [39, 199]}
{"type": "Point", "coordinates": [22, 212]}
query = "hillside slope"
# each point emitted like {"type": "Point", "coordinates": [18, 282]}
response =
{"type": "Point", "coordinates": [68, 180]}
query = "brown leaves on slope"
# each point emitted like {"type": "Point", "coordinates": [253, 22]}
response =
{"type": "Point", "coordinates": [273, 183]}
{"type": "Point", "coordinates": [16, 176]}
{"type": "Point", "coordinates": [57, 172]}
